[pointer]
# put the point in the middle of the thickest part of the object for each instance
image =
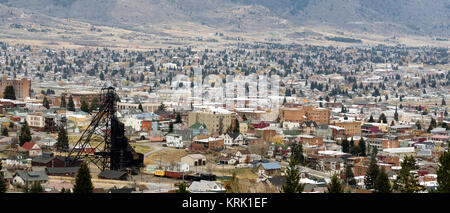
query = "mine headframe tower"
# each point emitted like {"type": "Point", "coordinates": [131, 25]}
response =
{"type": "Point", "coordinates": [103, 143]}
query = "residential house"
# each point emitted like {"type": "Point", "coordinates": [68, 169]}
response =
{"type": "Point", "coordinates": [269, 169]}
{"type": "Point", "coordinates": [309, 127]}
{"type": "Point", "coordinates": [331, 165]}
{"type": "Point", "coordinates": [227, 160]}
{"type": "Point", "coordinates": [233, 139]}
{"type": "Point", "coordinates": [32, 148]}
{"type": "Point", "coordinates": [6, 175]}
{"type": "Point", "coordinates": [198, 129]}
{"type": "Point", "coordinates": [23, 177]}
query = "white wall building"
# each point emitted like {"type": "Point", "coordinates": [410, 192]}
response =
{"type": "Point", "coordinates": [174, 140]}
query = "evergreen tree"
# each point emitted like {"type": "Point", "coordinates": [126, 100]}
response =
{"type": "Point", "coordinates": [362, 147]}
{"type": "Point", "coordinates": [162, 107]}
{"type": "Point", "coordinates": [371, 173]}
{"type": "Point", "coordinates": [182, 188]}
{"type": "Point", "coordinates": [349, 176]}
{"type": "Point", "coordinates": [170, 127]}
{"type": "Point", "coordinates": [84, 106]}
{"type": "Point", "coordinates": [297, 153]}
{"type": "Point", "coordinates": [5, 131]}
{"type": "Point", "coordinates": [382, 184]}
{"type": "Point", "coordinates": [63, 102]}
{"type": "Point", "coordinates": [94, 104]}
{"type": "Point", "coordinates": [37, 187]}
{"type": "Point", "coordinates": [63, 141]}
{"type": "Point", "coordinates": [443, 173]}
{"type": "Point", "coordinates": [354, 149]}
{"type": "Point", "coordinates": [26, 188]}
{"type": "Point", "coordinates": [382, 118]}
{"type": "Point", "coordinates": [433, 125]}
{"type": "Point", "coordinates": [25, 134]}
{"type": "Point", "coordinates": [9, 93]}
{"type": "Point", "coordinates": [335, 185]}
{"type": "Point", "coordinates": [83, 182]}
{"type": "Point", "coordinates": [371, 120]}
{"type": "Point", "coordinates": [292, 184]}
{"type": "Point", "coordinates": [345, 146]}
{"type": "Point", "coordinates": [236, 126]}
{"type": "Point", "coordinates": [396, 114]}
{"type": "Point", "coordinates": [419, 127]}
{"type": "Point", "coordinates": [63, 191]}
{"type": "Point", "coordinates": [406, 181]}
{"type": "Point", "coordinates": [45, 103]}
{"type": "Point", "coordinates": [71, 104]}
{"type": "Point", "coordinates": [178, 119]}
{"type": "Point", "coordinates": [3, 184]}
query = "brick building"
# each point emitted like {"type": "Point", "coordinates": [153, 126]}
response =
{"type": "Point", "coordinates": [352, 128]}
{"type": "Point", "coordinates": [216, 120]}
{"type": "Point", "coordinates": [383, 143]}
{"type": "Point", "coordinates": [311, 140]}
{"type": "Point", "coordinates": [22, 87]}
{"type": "Point", "coordinates": [305, 113]}
{"type": "Point", "coordinates": [146, 125]}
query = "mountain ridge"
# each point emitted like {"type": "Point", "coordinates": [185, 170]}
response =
{"type": "Point", "coordinates": [416, 17]}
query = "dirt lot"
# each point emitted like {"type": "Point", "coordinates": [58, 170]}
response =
{"type": "Point", "coordinates": [167, 155]}
{"type": "Point", "coordinates": [141, 148]}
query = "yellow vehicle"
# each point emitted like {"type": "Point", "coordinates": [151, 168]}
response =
{"type": "Point", "coordinates": [159, 173]}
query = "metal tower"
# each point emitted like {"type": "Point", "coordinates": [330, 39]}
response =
{"type": "Point", "coordinates": [106, 135]}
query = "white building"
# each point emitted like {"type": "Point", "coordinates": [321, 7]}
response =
{"type": "Point", "coordinates": [174, 140]}
{"type": "Point", "coordinates": [233, 139]}
{"type": "Point", "coordinates": [35, 120]}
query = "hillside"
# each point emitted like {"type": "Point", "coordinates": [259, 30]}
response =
{"type": "Point", "coordinates": [421, 17]}
{"type": "Point", "coordinates": [290, 20]}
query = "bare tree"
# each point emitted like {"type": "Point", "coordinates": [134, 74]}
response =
{"type": "Point", "coordinates": [260, 148]}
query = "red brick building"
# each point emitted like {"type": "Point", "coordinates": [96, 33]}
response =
{"type": "Point", "coordinates": [22, 87]}
{"type": "Point", "coordinates": [305, 113]}
{"type": "Point", "coordinates": [311, 140]}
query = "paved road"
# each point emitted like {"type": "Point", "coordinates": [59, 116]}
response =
{"type": "Point", "coordinates": [156, 147]}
